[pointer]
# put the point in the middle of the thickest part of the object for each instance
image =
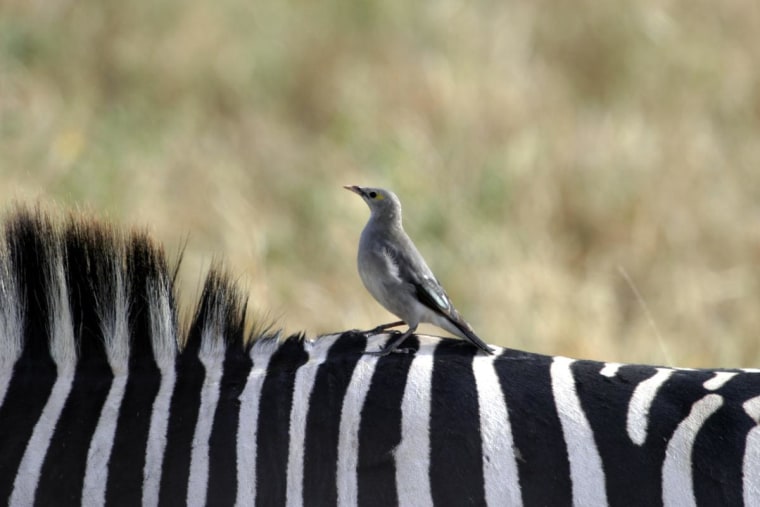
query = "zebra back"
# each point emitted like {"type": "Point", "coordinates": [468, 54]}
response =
{"type": "Point", "coordinates": [106, 399]}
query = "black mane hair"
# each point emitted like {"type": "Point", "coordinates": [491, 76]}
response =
{"type": "Point", "coordinates": [77, 290]}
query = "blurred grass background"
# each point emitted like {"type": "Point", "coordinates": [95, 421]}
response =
{"type": "Point", "coordinates": [544, 151]}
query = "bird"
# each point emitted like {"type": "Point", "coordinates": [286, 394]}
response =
{"type": "Point", "coordinates": [397, 276]}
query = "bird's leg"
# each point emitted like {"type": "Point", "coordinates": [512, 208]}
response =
{"type": "Point", "coordinates": [382, 327]}
{"type": "Point", "coordinates": [392, 346]}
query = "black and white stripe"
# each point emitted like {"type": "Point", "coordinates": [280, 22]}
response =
{"type": "Point", "coordinates": [104, 401]}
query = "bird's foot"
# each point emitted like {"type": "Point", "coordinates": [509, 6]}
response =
{"type": "Point", "coordinates": [386, 351]}
{"type": "Point", "coordinates": [383, 328]}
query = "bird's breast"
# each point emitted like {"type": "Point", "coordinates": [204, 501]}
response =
{"type": "Point", "coordinates": [380, 276]}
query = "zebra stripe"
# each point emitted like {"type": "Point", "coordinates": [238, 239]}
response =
{"type": "Point", "coordinates": [348, 436]}
{"type": "Point", "coordinates": [455, 440]}
{"type": "Point", "coordinates": [11, 322]}
{"type": "Point", "coordinates": [28, 474]}
{"type": "Point", "coordinates": [413, 452]}
{"type": "Point", "coordinates": [103, 407]}
{"type": "Point", "coordinates": [380, 428]}
{"type": "Point", "coordinates": [273, 436]}
{"type": "Point", "coordinates": [322, 426]}
{"type": "Point", "coordinates": [161, 325]}
{"type": "Point", "coordinates": [499, 460]}
{"type": "Point", "coordinates": [410, 461]}
{"type": "Point", "coordinates": [99, 453]}
{"type": "Point", "coordinates": [677, 485]}
{"type": "Point", "coordinates": [638, 409]}
{"type": "Point", "coordinates": [261, 353]}
{"type": "Point", "coordinates": [751, 462]}
{"type": "Point", "coordinates": [304, 385]}
{"type": "Point", "coordinates": [5, 379]}
{"type": "Point", "coordinates": [585, 463]}
{"type": "Point", "coordinates": [212, 358]}
{"type": "Point", "coordinates": [114, 317]}
{"type": "Point", "coordinates": [610, 369]}
{"type": "Point", "coordinates": [63, 352]}
{"type": "Point", "coordinates": [718, 380]}
{"type": "Point", "coordinates": [156, 446]}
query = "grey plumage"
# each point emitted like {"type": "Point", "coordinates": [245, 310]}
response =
{"type": "Point", "coordinates": [395, 273]}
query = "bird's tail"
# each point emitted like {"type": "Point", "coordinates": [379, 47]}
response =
{"type": "Point", "coordinates": [466, 332]}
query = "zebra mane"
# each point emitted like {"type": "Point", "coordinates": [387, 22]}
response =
{"type": "Point", "coordinates": [76, 290]}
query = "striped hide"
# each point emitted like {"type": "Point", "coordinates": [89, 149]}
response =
{"type": "Point", "coordinates": [106, 400]}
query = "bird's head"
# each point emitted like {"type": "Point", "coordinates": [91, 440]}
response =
{"type": "Point", "coordinates": [383, 204]}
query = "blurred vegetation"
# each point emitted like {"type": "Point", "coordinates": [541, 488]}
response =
{"type": "Point", "coordinates": [545, 153]}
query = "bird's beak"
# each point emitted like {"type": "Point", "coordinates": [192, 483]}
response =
{"type": "Point", "coordinates": [355, 189]}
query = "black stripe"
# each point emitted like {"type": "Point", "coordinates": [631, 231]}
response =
{"type": "Point", "coordinates": [221, 312]}
{"type": "Point", "coordinates": [380, 429]}
{"type": "Point", "coordinates": [183, 416]}
{"type": "Point", "coordinates": [720, 446]}
{"type": "Point", "coordinates": [222, 480]}
{"type": "Point", "coordinates": [27, 394]}
{"type": "Point", "coordinates": [62, 474]}
{"type": "Point", "coordinates": [717, 457]}
{"type": "Point", "coordinates": [127, 464]}
{"type": "Point", "coordinates": [671, 406]}
{"type": "Point", "coordinates": [322, 421]}
{"type": "Point", "coordinates": [630, 472]}
{"type": "Point", "coordinates": [456, 465]}
{"type": "Point", "coordinates": [538, 442]}
{"type": "Point", "coordinates": [274, 420]}
{"type": "Point", "coordinates": [34, 374]}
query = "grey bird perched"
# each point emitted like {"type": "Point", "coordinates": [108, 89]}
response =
{"type": "Point", "coordinates": [396, 275]}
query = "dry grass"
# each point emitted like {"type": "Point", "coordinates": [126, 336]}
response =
{"type": "Point", "coordinates": [539, 148]}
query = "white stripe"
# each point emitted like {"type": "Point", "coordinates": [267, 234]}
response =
{"type": "Point", "coordinates": [159, 422]}
{"type": "Point", "coordinates": [163, 327]}
{"type": "Point", "coordinates": [637, 419]}
{"type": "Point", "coordinates": [63, 350]}
{"type": "Point", "coordinates": [212, 357]}
{"type": "Point", "coordinates": [677, 484]}
{"type": "Point", "coordinates": [302, 389]}
{"type": "Point", "coordinates": [63, 346]}
{"type": "Point", "coordinates": [586, 471]}
{"type": "Point", "coordinates": [248, 423]}
{"type": "Point", "coordinates": [5, 379]}
{"type": "Point", "coordinates": [413, 452]}
{"type": "Point", "coordinates": [718, 380]}
{"type": "Point", "coordinates": [751, 467]}
{"type": "Point", "coordinates": [164, 345]}
{"type": "Point", "coordinates": [610, 369]}
{"type": "Point", "coordinates": [113, 312]}
{"type": "Point", "coordinates": [752, 408]}
{"type": "Point", "coordinates": [96, 472]}
{"type": "Point", "coordinates": [28, 473]}
{"type": "Point", "coordinates": [11, 323]}
{"type": "Point", "coordinates": [350, 421]}
{"type": "Point", "coordinates": [502, 481]}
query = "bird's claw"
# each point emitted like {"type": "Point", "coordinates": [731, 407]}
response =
{"type": "Point", "coordinates": [386, 352]}
{"type": "Point", "coordinates": [373, 332]}
{"type": "Point", "coordinates": [384, 328]}
{"type": "Point", "coordinates": [380, 330]}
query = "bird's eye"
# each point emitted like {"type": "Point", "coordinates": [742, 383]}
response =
{"type": "Point", "coordinates": [373, 194]}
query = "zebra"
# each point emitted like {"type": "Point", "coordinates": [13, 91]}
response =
{"type": "Point", "coordinates": [107, 399]}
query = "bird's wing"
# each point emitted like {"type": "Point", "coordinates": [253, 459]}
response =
{"type": "Point", "coordinates": [412, 270]}
{"type": "Point", "coordinates": [409, 267]}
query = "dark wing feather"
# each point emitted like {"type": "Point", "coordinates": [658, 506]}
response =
{"type": "Point", "coordinates": [413, 270]}
{"type": "Point", "coordinates": [432, 295]}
